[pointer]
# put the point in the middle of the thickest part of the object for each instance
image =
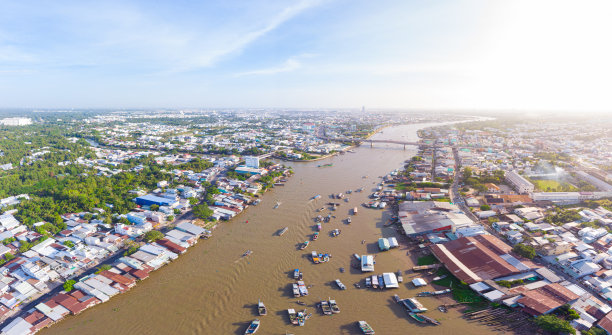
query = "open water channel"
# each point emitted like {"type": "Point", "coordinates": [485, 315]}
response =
{"type": "Point", "coordinates": [213, 290]}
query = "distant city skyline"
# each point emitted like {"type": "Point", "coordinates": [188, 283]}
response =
{"type": "Point", "coordinates": [466, 54]}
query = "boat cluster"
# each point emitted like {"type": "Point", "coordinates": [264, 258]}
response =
{"type": "Point", "coordinates": [415, 309]}
{"type": "Point", "coordinates": [319, 258]}
{"type": "Point", "coordinates": [329, 307]}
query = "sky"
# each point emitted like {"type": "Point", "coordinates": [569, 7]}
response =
{"type": "Point", "coordinates": [413, 54]}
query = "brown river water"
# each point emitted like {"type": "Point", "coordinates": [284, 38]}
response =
{"type": "Point", "coordinates": [213, 290]}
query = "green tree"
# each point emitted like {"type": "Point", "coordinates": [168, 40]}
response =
{"type": "Point", "coordinates": [202, 211]}
{"type": "Point", "coordinates": [153, 235]}
{"type": "Point", "coordinates": [193, 201]}
{"type": "Point", "coordinates": [69, 244]}
{"type": "Point", "coordinates": [154, 207]}
{"type": "Point", "coordinates": [526, 251]}
{"type": "Point", "coordinates": [69, 285]}
{"type": "Point", "coordinates": [554, 324]}
{"type": "Point", "coordinates": [485, 207]}
{"type": "Point", "coordinates": [170, 218]}
{"type": "Point", "coordinates": [103, 267]}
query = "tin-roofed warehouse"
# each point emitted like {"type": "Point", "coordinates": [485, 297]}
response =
{"type": "Point", "coordinates": [477, 258]}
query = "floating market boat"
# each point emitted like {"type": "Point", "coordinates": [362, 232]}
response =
{"type": "Point", "coordinates": [301, 317]}
{"type": "Point", "coordinates": [319, 227]}
{"type": "Point", "coordinates": [284, 230]}
{"type": "Point", "coordinates": [355, 210]}
{"type": "Point", "coordinates": [247, 253]}
{"type": "Point", "coordinates": [368, 282]}
{"type": "Point", "coordinates": [357, 257]}
{"type": "Point", "coordinates": [315, 236]}
{"type": "Point", "coordinates": [400, 279]}
{"type": "Point", "coordinates": [261, 308]}
{"type": "Point", "coordinates": [296, 291]}
{"type": "Point", "coordinates": [252, 327]}
{"type": "Point", "coordinates": [340, 285]}
{"type": "Point", "coordinates": [316, 197]}
{"type": "Point", "coordinates": [334, 306]}
{"type": "Point", "coordinates": [429, 319]}
{"type": "Point", "coordinates": [296, 273]}
{"type": "Point", "coordinates": [292, 316]}
{"type": "Point", "coordinates": [365, 328]}
{"type": "Point", "coordinates": [315, 257]}
{"type": "Point", "coordinates": [374, 282]}
{"type": "Point", "coordinates": [348, 220]}
{"type": "Point", "coordinates": [335, 232]}
{"type": "Point", "coordinates": [302, 288]}
{"type": "Point", "coordinates": [304, 245]}
{"type": "Point", "coordinates": [277, 204]}
{"type": "Point", "coordinates": [325, 307]}
{"type": "Point", "coordinates": [325, 165]}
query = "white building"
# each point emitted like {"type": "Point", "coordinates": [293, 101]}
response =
{"type": "Point", "coordinates": [16, 121]}
{"type": "Point", "coordinates": [252, 162]}
{"type": "Point", "coordinates": [520, 184]}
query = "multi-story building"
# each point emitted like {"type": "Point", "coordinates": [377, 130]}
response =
{"type": "Point", "coordinates": [520, 184]}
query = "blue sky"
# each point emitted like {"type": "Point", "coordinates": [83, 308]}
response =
{"type": "Point", "coordinates": [462, 54]}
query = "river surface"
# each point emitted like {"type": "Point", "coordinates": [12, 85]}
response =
{"type": "Point", "coordinates": [213, 290]}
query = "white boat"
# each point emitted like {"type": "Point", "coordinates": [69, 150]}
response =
{"type": "Point", "coordinates": [277, 204]}
{"type": "Point", "coordinates": [292, 316]}
{"type": "Point", "coordinates": [348, 220]}
{"type": "Point", "coordinates": [302, 288]}
{"type": "Point", "coordinates": [296, 290]}
{"type": "Point", "coordinates": [357, 257]}
{"type": "Point", "coordinates": [261, 308]}
{"type": "Point", "coordinates": [368, 282]}
{"type": "Point", "coordinates": [280, 233]}
{"type": "Point", "coordinates": [325, 308]}
{"type": "Point", "coordinates": [340, 285]}
{"type": "Point", "coordinates": [334, 306]}
{"type": "Point", "coordinates": [374, 281]}
{"type": "Point", "coordinates": [365, 328]}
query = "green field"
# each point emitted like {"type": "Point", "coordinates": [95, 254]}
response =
{"type": "Point", "coordinates": [550, 185]}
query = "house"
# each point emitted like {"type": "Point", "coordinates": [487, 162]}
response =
{"type": "Point", "coordinates": [546, 299]}
{"type": "Point", "coordinates": [492, 188]}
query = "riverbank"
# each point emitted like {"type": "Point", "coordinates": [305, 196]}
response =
{"type": "Point", "coordinates": [213, 289]}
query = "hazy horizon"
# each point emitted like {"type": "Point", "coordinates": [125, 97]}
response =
{"type": "Point", "coordinates": [539, 56]}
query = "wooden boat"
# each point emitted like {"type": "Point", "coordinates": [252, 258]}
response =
{"type": "Point", "coordinates": [280, 233]}
{"type": "Point", "coordinates": [417, 317]}
{"type": "Point", "coordinates": [304, 245]}
{"type": "Point", "coordinates": [334, 306]}
{"type": "Point", "coordinates": [247, 253]}
{"type": "Point", "coordinates": [315, 236]}
{"type": "Point", "coordinates": [357, 257]}
{"type": "Point", "coordinates": [400, 279]}
{"type": "Point", "coordinates": [277, 204]}
{"type": "Point", "coordinates": [335, 232]}
{"type": "Point", "coordinates": [316, 197]}
{"type": "Point", "coordinates": [381, 282]}
{"type": "Point", "coordinates": [340, 285]}
{"type": "Point", "coordinates": [319, 227]}
{"type": "Point", "coordinates": [292, 316]}
{"type": "Point", "coordinates": [397, 298]}
{"type": "Point", "coordinates": [252, 327]}
{"type": "Point", "coordinates": [365, 328]}
{"type": "Point", "coordinates": [442, 309]}
{"type": "Point", "coordinates": [296, 290]}
{"type": "Point", "coordinates": [354, 210]}
{"type": "Point", "coordinates": [325, 308]}
{"type": "Point", "coordinates": [296, 274]}
{"type": "Point", "coordinates": [261, 308]}
{"type": "Point", "coordinates": [368, 282]}
{"type": "Point", "coordinates": [348, 220]}
{"type": "Point", "coordinates": [429, 319]}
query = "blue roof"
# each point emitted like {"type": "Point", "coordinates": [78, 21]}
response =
{"type": "Point", "coordinates": [156, 199]}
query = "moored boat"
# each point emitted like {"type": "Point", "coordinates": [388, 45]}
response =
{"type": "Point", "coordinates": [301, 317]}
{"type": "Point", "coordinates": [315, 236]}
{"type": "Point", "coordinates": [252, 327]}
{"type": "Point", "coordinates": [296, 273]}
{"type": "Point", "coordinates": [355, 210]}
{"type": "Point", "coordinates": [325, 307]}
{"type": "Point", "coordinates": [357, 257]}
{"type": "Point", "coordinates": [315, 257]}
{"type": "Point", "coordinates": [429, 319]}
{"type": "Point", "coordinates": [374, 282]}
{"type": "Point", "coordinates": [417, 317]}
{"type": "Point", "coordinates": [334, 306]}
{"type": "Point", "coordinates": [400, 279]}
{"type": "Point", "coordinates": [365, 328]}
{"type": "Point", "coordinates": [348, 220]}
{"type": "Point", "coordinates": [368, 282]}
{"type": "Point", "coordinates": [302, 288]}
{"type": "Point", "coordinates": [335, 232]}
{"type": "Point", "coordinates": [340, 285]}
{"type": "Point", "coordinates": [292, 316]}
{"type": "Point", "coordinates": [296, 291]}
{"type": "Point", "coordinates": [319, 227]}
{"type": "Point", "coordinates": [261, 308]}
{"type": "Point", "coordinates": [316, 197]}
